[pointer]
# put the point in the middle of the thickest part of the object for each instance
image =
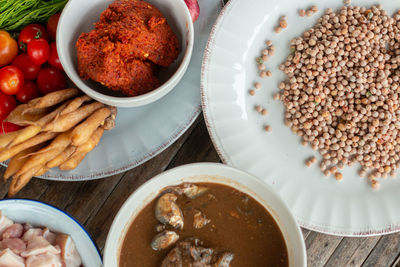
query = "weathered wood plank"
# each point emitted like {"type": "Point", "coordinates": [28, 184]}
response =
{"type": "Point", "coordinates": [385, 252]}
{"type": "Point", "coordinates": [305, 233]}
{"type": "Point", "coordinates": [320, 247]}
{"type": "Point", "coordinates": [198, 148]}
{"type": "Point", "coordinates": [352, 251]}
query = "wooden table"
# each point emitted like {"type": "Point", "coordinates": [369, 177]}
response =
{"type": "Point", "coordinates": [95, 203]}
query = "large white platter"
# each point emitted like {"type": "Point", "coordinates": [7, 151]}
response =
{"type": "Point", "coordinates": [349, 207]}
{"type": "Point", "coordinates": [144, 132]}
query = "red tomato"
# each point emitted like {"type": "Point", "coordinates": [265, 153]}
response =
{"type": "Point", "coordinates": [8, 48]}
{"type": "Point", "coordinates": [39, 51]}
{"type": "Point", "coordinates": [11, 80]}
{"type": "Point", "coordinates": [26, 65]}
{"type": "Point", "coordinates": [50, 80]}
{"type": "Point", "coordinates": [31, 32]}
{"type": "Point", "coordinates": [52, 25]}
{"type": "Point", "coordinates": [28, 92]}
{"type": "Point", "coordinates": [7, 104]}
{"type": "Point", "coordinates": [7, 127]}
{"type": "Point", "coordinates": [54, 61]}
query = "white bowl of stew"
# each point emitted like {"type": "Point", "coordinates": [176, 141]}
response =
{"type": "Point", "coordinates": [239, 229]}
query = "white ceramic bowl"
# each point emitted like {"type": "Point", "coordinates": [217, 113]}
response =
{"type": "Point", "coordinates": [206, 172]}
{"type": "Point", "coordinates": [44, 215]}
{"type": "Point", "coordinates": [79, 16]}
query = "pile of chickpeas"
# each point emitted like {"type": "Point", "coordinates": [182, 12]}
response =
{"type": "Point", "coordinates": [342, 92]}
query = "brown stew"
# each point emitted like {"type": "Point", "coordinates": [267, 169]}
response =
{"type": "Point", "coordinates": [220, 227]}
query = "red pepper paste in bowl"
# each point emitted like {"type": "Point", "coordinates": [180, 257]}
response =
{"type": "Point", "coordinates": [129, 44]}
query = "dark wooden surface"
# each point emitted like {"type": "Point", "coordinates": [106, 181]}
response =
{"type": "Point", "coordinates": [95, 203]}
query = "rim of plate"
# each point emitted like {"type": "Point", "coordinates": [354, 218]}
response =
{"type": "Point", "coordinates": [387, 229]}
{"type": "Point", "coordinates": [22, 200]}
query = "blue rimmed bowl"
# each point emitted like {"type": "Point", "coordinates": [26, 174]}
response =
{"type": "Point", "coordinates": [41, 214]}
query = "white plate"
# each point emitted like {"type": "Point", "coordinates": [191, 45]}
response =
{"type": "Point", "coordinates": [142, 133]}
{"type": "Point", "coordinates": [40, 214]}
{"type": "Point", "coordinates": [349, 208]}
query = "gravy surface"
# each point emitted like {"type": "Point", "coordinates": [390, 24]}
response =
{"type": "Point", "coordinates": [238, 224]}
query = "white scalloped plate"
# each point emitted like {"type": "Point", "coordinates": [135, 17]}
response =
{"type": "Point", "coordinates": [144, 132]}
{"type": "Point", "coordinates": [349, 207]}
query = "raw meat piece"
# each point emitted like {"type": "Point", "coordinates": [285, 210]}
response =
{"type": "Point", "coordinates": [39, 245]}
{"type": "Point", "coordinates": [13, 231]}
{"type": "Point", "coordinates": [4, 222]}
{"type": "Point", "coordinates": [69, 254]}
{"type": "Point", "coordinates": [17, 245]}
{"type": "Point", "coordinates": [44, 260]}
{"type": "Point", "coordinates": [10, 259]}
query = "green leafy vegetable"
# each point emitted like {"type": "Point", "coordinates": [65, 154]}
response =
{"type": "Point", "coordinates": [15, 14]}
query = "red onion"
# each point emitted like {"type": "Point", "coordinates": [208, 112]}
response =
{"type": "Point", "coordinates": [194, 8]}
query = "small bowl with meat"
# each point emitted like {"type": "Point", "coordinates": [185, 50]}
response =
{"type": "Point", "coordinates": [125, 53]}
{"type": "Point", "coordinates": [36, 234]}
{"type": "Point", "coordinates": [204, 214]}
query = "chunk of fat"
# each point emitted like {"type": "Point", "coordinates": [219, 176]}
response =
{"type": "Point", "coordinates": [49, 236]}
{"type": "Point", "coordinates": [4, 222]}
{"type": "Point", "coordinates": [44, 260]}
{"type": "Point", "coordinates": [69, 253]}
{"type": "Point", "coordinates": [32, 234]}
{"type": "Point", "coordinates": [10, 259]}
{"type": "Point", "coordinates": [39, 245]}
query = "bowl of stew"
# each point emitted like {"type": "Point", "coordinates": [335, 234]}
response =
{"type": "Point", "coordinates": [125, 53]}
{"type": "Point", "coordinates": [204, 214]}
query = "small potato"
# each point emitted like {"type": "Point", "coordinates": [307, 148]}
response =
{"type": "Point", "coordinates": [52, 99]}
{"type": "Point", "coordinates": [82, 150]}
{"type": "Point", "coordinates": [18, 182]}
{"type": "Point", "coordinates": [38, 159]}
{"type": "Point", "coordinates": [25, 133]}
{"type": "Point", "coordinates": [83, 131]}
{"type": "Point", "coordinates": [42, 171]}
{"type": "Point", "coordinates": [18, 161]}
{"type": "Point", "coordinates": [51, 116]}
{"type": "Point", "coordinates": [61, 158]}
{"type": "Point", "coordinates": [73, 161]}
{"type": "Point", "coordinates": [38, 139]}
{"type": "Point", "coordinates": [67, 121]}
{"type": "Point", "coordinates": [6, 139]}
{"type": "Point", "coordinates": [61, 142]}
{"type": "Point", "coordinates": [109, 122]}
{"type": "Point", "coordinates": [17, 116]}
{"type": "Point", "coordinates": [75, 104]}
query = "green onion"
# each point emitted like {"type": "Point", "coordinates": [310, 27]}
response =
{"type": "Point", "coordinates": [15, 14]}
{"type": "Point", "coordinates": [369, 94]}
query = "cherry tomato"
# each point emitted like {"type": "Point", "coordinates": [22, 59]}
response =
{"type": "Point", "coordinates": [8, 127]}
{"type": "Point", "coordinates": [7, 104]}
{"type": "Point", "coordinates": [54, 61]}
{"type": "Point", "coordinates": [11, 80]}
{"type": "Point", "coordinates": [50, 80]}
{"type": "Point", "coordinates": [31, 32]}
{"type": "Point", "coordinates": [26, 65]}
{"type": "Point", "coordinates": [28, 92]}
{"type": "Point", "coordinates": [52, 25]}
{"type": "Point", "coordinates": [39, 51]}
{"type": "Point", "coordinates": [8, 48]}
